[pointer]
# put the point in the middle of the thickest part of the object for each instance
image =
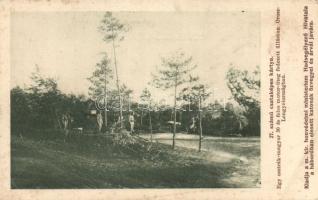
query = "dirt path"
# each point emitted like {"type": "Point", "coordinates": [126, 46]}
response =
{"type": "Point", "coordinates": [242, 153]}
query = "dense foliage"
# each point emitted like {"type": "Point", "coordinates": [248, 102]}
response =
{"type": "Point", "coordinates": [41, 106]}
{"type": "Point", "coordinates": [245, 88]}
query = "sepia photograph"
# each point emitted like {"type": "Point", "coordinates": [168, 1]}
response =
{"type": "Point", "coordinates": [123, 99]}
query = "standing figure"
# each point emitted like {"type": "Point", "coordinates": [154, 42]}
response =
{"type": "Point", "coordinates": [131, 122]}
{"type": "Point", "coordinates": [99, 121]}
{"type": "Point", "coordinates": [66, 122]}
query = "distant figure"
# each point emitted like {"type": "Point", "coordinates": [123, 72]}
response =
{"type": "Point", "coordinates": [99, 121]}
{"type": "Point", "coordinates": [193, 125]}
{"type": "Point", "coordinates": [132, 122]}
{"type": "Point", "coordinates": [66, 122]}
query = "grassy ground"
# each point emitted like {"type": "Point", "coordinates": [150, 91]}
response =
{"type": "Point", "coordinates": [96, 162]}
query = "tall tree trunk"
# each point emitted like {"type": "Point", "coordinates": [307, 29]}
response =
{"type": "Point", "coordinates": [105, 100]}
{"type": "Point", "coordinates": [200, 124]}
{"type": "Point", "coordinates": [180, 119]}
{"type": "Point", "coordinates": [159, 120]}
{"type": "Point", "coordinates": [118, 88]}
{"type": "Point", "coordinates": [142, 112]}
{"type": "Point", "coordinates": [150, 125]}
{"type": "Point", "coordinates": [105, 115]}
{"type": "Point", "coordinates": [129, 103]}
{"type": "Point", "coordinates": [188, 120]}
{"type": "Point", "coordinates": [58, 120]}
{"type": "Point", "coordinates": [175, 114]}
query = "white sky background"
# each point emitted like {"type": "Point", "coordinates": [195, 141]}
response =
{"type": "Point", "coordinates": [68, 45]}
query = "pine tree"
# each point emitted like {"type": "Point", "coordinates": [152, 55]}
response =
{"type": "Point", "coordinates": [197, 94]}
{"type": "Point", "coordinates": [245, 89]}
{"type": "Point", "coordinates": [173, 73]}
{"type": "Point", "coordinates": [100, 81]}
{"type": "Point", "coordinates": [145, 98]}
{"type": "Point", "coordinates": [113, 31]}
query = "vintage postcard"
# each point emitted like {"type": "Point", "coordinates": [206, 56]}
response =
{"type": "Point", "coordinates": [159, 99]}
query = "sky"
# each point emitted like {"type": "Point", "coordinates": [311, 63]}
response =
{"type": "Point", "coordinates": [67, 45]}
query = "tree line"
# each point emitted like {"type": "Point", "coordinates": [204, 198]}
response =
{"type": "Point", "coordinates": [42, 103]}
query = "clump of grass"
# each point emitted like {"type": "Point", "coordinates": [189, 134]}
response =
{"type": "Point", "coordinates": [137, 146]}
